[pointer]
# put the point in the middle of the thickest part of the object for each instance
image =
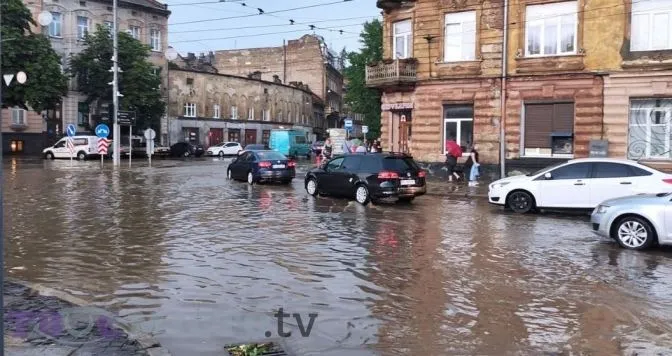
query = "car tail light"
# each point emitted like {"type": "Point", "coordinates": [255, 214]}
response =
{"type": "Point", "coordinates": [291, 164]}
{"type": "Point", "coordinates": [264, 164]}
{"type": "Point", "coordinates": [388, 175]}
{"type": "Point", "coordinates": [422, 174]}
{"type": "Point", "coordinates": [668, 180]}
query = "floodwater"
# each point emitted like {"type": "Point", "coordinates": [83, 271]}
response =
{"type": "Point", "coordinates": [201, 262]}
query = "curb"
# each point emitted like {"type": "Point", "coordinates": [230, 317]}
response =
{"type": "Point", "coordinates": [146, 342]}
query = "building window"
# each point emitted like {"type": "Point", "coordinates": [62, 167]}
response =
{"type": "Point", "coordinates": [460, 37]}
{"type": "Point", "coordinates": [549, 129]}
{"type": "Point", "coordinates": [155, 40]}
{"type": "Point", "coordinates": [18, 116]}
{"type": "Point", "coordinates": [108, 25]}
{"type": "Point", "coordinates": [234, 135]}
{"type": "Point", "coordinates": [16, 146]}
{"type": "Point", "coordinates": [303, 119]}
{"type": "Point", "coordinates": [250, 114]}
{"type": "Point", "coordinates": [135, 32]}
{"type": "Point", "coordinates": [265, 136]}
{"type": "Point", "coordinates": [551, 29]}
{"type": "Point", "coordinates": [458, 124]}
{"type": "Point", "coordinates": [651, 25]}
{"type": "Point", "coordinates": [215, 110]}
{"type": "Point", "coordinates": [234, 112]}
{"type": "Point", "coordinates": [650, 125]}
{"type": "Point", "coordinates": [56, 24]}
{"type": "Point", "coordinates": [403, 35]}
{"type": "Point", "coordinates": [267, 115]}
{"type": "Point", "coordinates": [190, 110]}
{"type": "Point", "coordinates": [82, 27]}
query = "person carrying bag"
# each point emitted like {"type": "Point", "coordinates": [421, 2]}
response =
{"type": "Point", "coordinates": [453, 152]}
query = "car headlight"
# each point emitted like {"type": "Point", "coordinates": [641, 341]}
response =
{"type": "Point", "coordinates": [601, 209]}
{"type": "Point", "coordinates": [499, 185]}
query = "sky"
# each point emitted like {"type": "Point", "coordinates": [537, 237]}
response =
{"type": "Point", "coordinates": [199, 25]}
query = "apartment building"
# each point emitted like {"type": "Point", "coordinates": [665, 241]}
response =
{"type": "Point", "coordinates": [146, 20]}
{"type": "Point", "coordinates": [577, 72]}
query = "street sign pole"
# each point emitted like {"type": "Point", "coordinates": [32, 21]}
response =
{"type": "Point", "coordinates": [130, 144]}
{"type": "Point", "coordinates": [115, 87]}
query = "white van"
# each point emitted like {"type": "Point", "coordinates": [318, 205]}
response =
{"type": "Point", "coordinates": [85, 147]}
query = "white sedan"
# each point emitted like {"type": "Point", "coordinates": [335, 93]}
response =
{"type": "Point", "coordinates": [224, 149]}
{"type": "Point", "coordinates": [578, 184]}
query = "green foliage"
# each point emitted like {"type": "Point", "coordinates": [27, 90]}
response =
{"type": "Point", "coordinates": [23, 50]}
{"type": "Point", "coordinates": [138, 83]}
{"type": "Point", "coordinates": [360, 98]}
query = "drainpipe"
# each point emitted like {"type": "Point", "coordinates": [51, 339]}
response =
{"type": "Point", "coordinates": [284, 68]}
{"type": "Point", "coordinates": [502, 95]}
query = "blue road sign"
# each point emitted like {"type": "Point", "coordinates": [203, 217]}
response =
{"type": "Point", "coordinates": [102, 131]}
{"type": "Point", "coordinates": [71, 130]}
{"type": "Point", "coordinates": [348, 123]}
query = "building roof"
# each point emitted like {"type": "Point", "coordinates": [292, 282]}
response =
{"type": "Point", "coordinates": [146, 4]}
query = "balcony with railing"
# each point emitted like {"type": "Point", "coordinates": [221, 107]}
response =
{"type": "Point", "coordinates": [398, 72]}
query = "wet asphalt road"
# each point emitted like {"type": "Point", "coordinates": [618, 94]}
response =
{"type": "Point", "coordinates": [201, 262]}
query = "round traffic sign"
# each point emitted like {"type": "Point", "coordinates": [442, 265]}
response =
{"type": "Point", "coordinates": [21, 77]}
{"type": "Point", "coordinates": [71, 130]}
{"type": "Point", "coordinates": [150, 134]}
{"type": "Point", "coordinates": [102, 131]}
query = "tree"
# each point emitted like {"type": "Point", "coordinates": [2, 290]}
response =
{"type": "Point", "coordinates": [361, 99]}
{"type": "Point", "coordinates": [23, 50]}
{"type": "Point", "coordinates": [138, 82]}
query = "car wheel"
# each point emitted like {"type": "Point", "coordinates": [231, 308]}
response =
{"type": "Point", "coordinates": [81, 155]}
{"type": "Point", "coordinates": [634, 233]}
{"type": "Point", "coordinates": [229, 175]}
{"type": "Point", "coordinates": [520, 202]}
{"type": "Point", "coordinates": [362, 194]}
{"type": "Point", "coordinates": [311, 187]}
{"type": "Point", "coordinates": [221, 154]}
{"type": "Point", "coordinates": [186, 154]}
{"type": "Point", "coordinates": [250, 178]}
{"type": "Point", "coordinates": [49, 155]}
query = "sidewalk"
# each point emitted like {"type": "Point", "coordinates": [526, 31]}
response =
{"type": "Point", "coordinates": [42, 321]}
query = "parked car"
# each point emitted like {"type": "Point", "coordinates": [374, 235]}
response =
{"type": "Point", "coordinates": [186, 149]}
{"type": "Point", "coordinates": [292, 143]}
{"type": "Point", "coordinates": [256, 147]}
{"type": "Point", "coordinates": [225, 149]}
{"type": "Point", "coordinates": [577, 184]}
{"type": "Point", "coordinates": [262, 166]}
{"type": "Point", "coordinates": [317, 147]}
{"type": "Point", "coordinates": [84, 147]}
{"type": "Point", "coordinates": [368, 177]}
{"type": "Point", "coordinates": [635, 222]}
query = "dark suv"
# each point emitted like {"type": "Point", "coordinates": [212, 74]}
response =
{"type": "Point", "coordinates": [368, 177]}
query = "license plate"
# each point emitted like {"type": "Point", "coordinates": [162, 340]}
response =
{"type": "Point", "coordinates": [407, 181]}
{"type": "Point", "coordinates": [278, 166]}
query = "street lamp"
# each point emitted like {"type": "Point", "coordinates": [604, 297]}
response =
{"type": "Point", "coordinates": [44, 19]}
{"type": "Point", "coordinates": [171, 55]}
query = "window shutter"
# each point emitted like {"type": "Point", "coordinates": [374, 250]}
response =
{"type": "Point", "coordinates": [538, 125]}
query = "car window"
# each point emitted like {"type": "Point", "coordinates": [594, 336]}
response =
{"type": "Point", "coordinates": [612, 170]}
{"type": "Point", "coordinates": [370, 164]}
{"type": "Point", "coordinates": [399, 164]}
{"type": "Point", "coordinates": [334, 164]}
{"type": "Point", "coordinates": [271, 155]}
{"type": "Point", "coordinates": [351, 163]}
{"type": "Point", "coordinates": [572, 171]}
{"type": "Point", "coordinates": [231, 144]}
{"type": "Point", "coordinates": [300, 139]}
{"type": "Point", "coordinates": [247, 157]}
{"type": "Point", "coordinates": [59, 144]}
{"type": "Point", "coordinates": [639, 172]}
{"type": "Point", "coordinates": [80, 141]}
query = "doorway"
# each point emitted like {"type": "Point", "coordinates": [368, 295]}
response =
{"type": "Point", "coordinates": [234, 135]}
{"type": "Point", "coordinates": [400, 130]}
{"type": "Point", "coordinates": [216, 136]}
{"type": "Point", "coordinates": [250, 136]}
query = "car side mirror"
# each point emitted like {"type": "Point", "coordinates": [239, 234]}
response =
{"type": "Point", "coordinates": [548, 175]}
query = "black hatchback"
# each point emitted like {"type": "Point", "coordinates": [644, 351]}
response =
{"type": "Point", "coordinates": [368, 177]}
{"type": "Point", "coordinates": [262, 166]}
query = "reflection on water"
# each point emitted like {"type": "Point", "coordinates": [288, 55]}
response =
{"type": "Point", "coordinates": [201, 262]}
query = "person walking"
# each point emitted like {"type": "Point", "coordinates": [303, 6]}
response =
{"type": "Point", "coordinates": [453, 152]}
{"type": "Point", "coordinates": [472, 167]}
{"type": "Point", "coordinates": [327, 149]}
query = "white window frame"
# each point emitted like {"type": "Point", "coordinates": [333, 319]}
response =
{"type": "Point", "coordinates": [216, 111]}
{"type": "Point", "coordinates": [234, 112]}
{"type": "Point", "coordinates": [466, 23]}
{"type": "Point", "coordinates": [108, 25]}
{"type": "Point", "coordinates": [155, 39]}
{"type": "Point", "coordinates": [18, 116]}
{"type": "Point", "coordinates": [190, 110]}
{"type": "Point", "coordinates": [667, 125]}
{"type": "Point", "coordinates": [266, 115]}
{"type": "Point", "coordinates": [56, 25]}
{"type": "Point", "coordinates": [135, 31]}
{"type": "Point", "coordinates": [406, 35]}
{"type": "Point", "coordinates": [537, 15]}
{"type": "Point", "coordinates": [458, 133]}
{"type": "Point", "coordinates": [82, 30]}
{"type": "Point", "coordinates": [648, 10]}
{"type": "Point", "coordinates": [250, 114]}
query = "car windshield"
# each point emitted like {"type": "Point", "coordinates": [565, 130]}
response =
{"type": "Point", "coordinates": [399, 164]}
{"type": "Point", "coordinates": [271, 155]}
{"type": "Point", "coordinates": [545, 169]}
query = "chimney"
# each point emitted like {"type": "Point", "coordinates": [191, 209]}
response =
{"type": "Point", "coordinates": [276, 79]}
{"type": "Point", "coordinates": [255, 75]}
{"type": "Point", "coordinates": [191, 56]}
{"type": "Point", "coordinates": [211, 57]}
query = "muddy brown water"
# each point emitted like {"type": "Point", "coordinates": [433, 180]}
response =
{"type": "Point", "coordinates": [178, 251]}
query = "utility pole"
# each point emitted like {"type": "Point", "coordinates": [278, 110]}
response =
{"type": "Point", "coordinates": [116, 157]}
{"type": "Point", "coordinates": [2, 219]}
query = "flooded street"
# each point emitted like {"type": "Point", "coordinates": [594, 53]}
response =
{"type": "Point", "coordinates": [200, 262]}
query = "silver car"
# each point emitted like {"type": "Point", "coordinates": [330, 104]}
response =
{"type": "Point", "coordinates": [635, 222]}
